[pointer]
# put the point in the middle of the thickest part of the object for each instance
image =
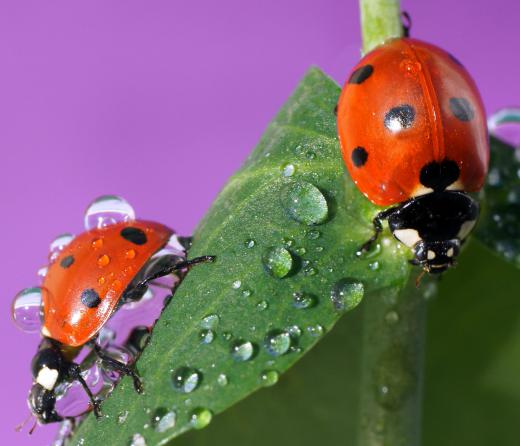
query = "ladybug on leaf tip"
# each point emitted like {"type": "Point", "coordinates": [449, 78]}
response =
{"type": "Point", "coordinates": [85, 284]}
{"type": "Point", "coordinates": [413, 136]}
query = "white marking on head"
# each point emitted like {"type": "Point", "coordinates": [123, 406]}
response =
{"type": "Point", "coordinates": [47, 378]}
{"type": "Point", "coordinates": [450, 252]}
{"type": "Point", "coordinates": [421, 190]}
{"type": "Point", "coordinates": [407, 236]}
{"type": "Point", "coordinates": [430, 255]}
{"type": "Point", "coordinates": [45, 331]}
{"type": "Point", "coordinates": [465, 229]}
{"type": "Point", "coordinates": [456, 185]}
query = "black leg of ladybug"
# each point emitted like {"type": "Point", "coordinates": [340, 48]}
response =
{"type": "Point", "coordinates": [406, 23]}
{"type": "Point", "coordinates": [378, 228]}
{"type": "Point", "coordinates": [168, 269]}
{"type": "Point", "coordinates": [74, 374]}
{"type": "Point", "coordinates": [120, 367]}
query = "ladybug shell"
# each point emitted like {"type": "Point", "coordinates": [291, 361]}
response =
{"type": "Point", "coordinates": [411, 120]}
{"type": "Point", "coordinates": [85, 282]}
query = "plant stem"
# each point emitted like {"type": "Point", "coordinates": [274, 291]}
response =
{"type": "Point", "coordinates": [393, 322]}
{"type": "Point", "coordinates": [380, 20]}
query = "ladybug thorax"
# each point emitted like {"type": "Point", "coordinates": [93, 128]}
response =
{"type": "Point", "coordinates": [86, 280]}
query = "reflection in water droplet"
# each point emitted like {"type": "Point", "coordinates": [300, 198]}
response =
{"type": "Point", "coordinates": [138, 440]}
{"type": "Point", "coordinates": [346, 294]}
{"type": "Point", "coordinates": [269, 378]}
{"type": "Point", "coordinates": [277, 342]}
{"type": "Point", "coordinates": [58, 244]}
{"type": "Point", "coordinates": [107, 210]}
{"type": "Point", "coordinates": [210, 321]}
{"type": "Point", "coordinates": [305, 203]}
{"type": "Point", "coordinates": [207, 336]}
{"type": "Point", "coordinates": [222, 380]}
{"type": "Point", "coordinates": [242, 350]}
{"type": "Point", "coordinates": [303, 300]}
{"type": "Point", "coordinates": [186, 379]}
{"type": "Point", "coordinates": [278, 262]}
{"type": "Point", "coordinates": [26, 310]}
{"type": "Point", "coordinates": [200, 417]}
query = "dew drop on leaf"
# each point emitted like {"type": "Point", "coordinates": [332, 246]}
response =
{"type": "Point", "coordinates": [303, 300]}
{"type": "Point", "coordinates": [305, 203]}
{"type": "Point", "coordinates": [222, 380]}
{"type": "Point", "coordinates": [269, 378]}
{"type": "Point", "coordinates": [207, 336]}
{"type": "Point", "coordinates": [210, 321]}
{"type": "Point", "coordinates": [278, 262]}
{"type": "Point", "coordinates": [346, 294]}
{"type": "Point", "coordinates": [137, 440]}
{"type": "Point", "coordinates": [242, 351]}
{"type": "Point", "coordinates": [200, 417]}
{"type": "Point", "coordinates": [277, 342]}
{"type": "Point", "coordinates": [186, 379]}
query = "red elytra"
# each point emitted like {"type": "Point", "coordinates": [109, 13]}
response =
{"type": "Point", "coordinates": [85, 282]}
{"type": "Point", "coordinates": [406, 104]}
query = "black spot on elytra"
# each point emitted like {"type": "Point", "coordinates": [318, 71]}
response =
{"type": "Point", "coordinates": [134, 235]}
{"type": "Point", "coordinates": [359, 156]}
{"type": "Point", "coordinates": [361, 74]}
{"type": "Point", "coordinates": [400, 117]}
{"type": "Point", "coordinates": [438, 176]}
{"type": "Point", "coordinates": [462, 109]}
{"type": "Point", "coordinates": [67, 261]}
{"type": "Point", "coordinates": [90, 298]}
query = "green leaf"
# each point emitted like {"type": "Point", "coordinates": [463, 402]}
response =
{"type": "Point", "coordinates": [285, 230]}
{"type": "Point", "coordinates": [499, 225]}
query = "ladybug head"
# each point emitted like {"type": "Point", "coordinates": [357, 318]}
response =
{"type": "Point", "coordinates": [41, 403]}
{"type": "Point", "coordinates": [437, 256]}
{"type": "Point", "coordinates": [47, 366]}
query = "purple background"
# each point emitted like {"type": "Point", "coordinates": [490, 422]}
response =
{"type": "Point", "coordinates": [160, 101]}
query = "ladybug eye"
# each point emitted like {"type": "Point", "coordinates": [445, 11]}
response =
{"type": "Point", "coordinates": [108, 210]}
{"type": "Point", "coordinates": [399, 118]}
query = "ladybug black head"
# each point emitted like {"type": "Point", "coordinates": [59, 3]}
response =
{"type": "Point", "coordinates": [436, 257]}
{"type": "Point", "coordinates": [41, 403]}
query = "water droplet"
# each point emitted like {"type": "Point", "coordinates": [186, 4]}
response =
{"type": "Point", "coordinates": [262, 305]}
{"type": "Point", "coordinates": [277, 342]}
{"type": "Point", "coordinates": [210, 321]}
{"type": "Point", "coordinates": [227, 335]}
{"type": "Point", "coordinates": [374, 266]}
{"type": "Point", "coordinates": [222, 380]}
{"type": "Point", "coordinates": [163, 420]}
{"type": "Point", "coordinates": [107, 210]}
{"type": "Point", "coordinates": [242, 350]}
{"type": "Point", "coordinates": [58, 244]}
{"type": "Point", "coordinates": [294, 331]}
{"type": "Point", "coordinates": [288, 170]}
{"type": "Point", "coordinates": [313, 234]}
{"type": "Point", "coordinates": [250, 243]}
{"type": "Point", "coordinates": [200, 417]}
{"type": "Point", "coordinates": [103, 260]}
{"type": "Point", "coordinates": [186, 379]}
{"type": "Point", "coordinates": [300, 251]}
{"type": "Point", "coordinates": [246, 293]}
{"type": "Point", "coordinates": [97, 243]}
{"type": "Point", "coordinates": [130, 254]}
{"type": "Point", "coordinates": [269, 378]}
{"type": "Point", "coordinates": [207, 336]}
{"type": "Point", "coordinates": [26, 310]}
{"type": "Point", "coordinates": [319, 249]}
{"type": "Point", "coordinates": [305, 203]}
{"type": "Point", "coordinates": [138, 440]}
{"type": "Point", "coordinates": [236, 284]}
{"type": "Point", "coordinates": [346, 294]}
{"type": "Point", "coordinates": [122, 416]}
{"type": "Point", "coordinates": [309, 271]}
{"type": "Point", "coordinates": [278, 262]}
{"type": "Point", "coordinates": [392, 317]}
{"type": "Point", "coordinates": [315, 330]}
{"type": "Point", "coordinates": [303, 300]}
{"type": "Point", "coordinates": [42, 272]}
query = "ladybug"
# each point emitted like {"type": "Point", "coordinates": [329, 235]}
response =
{"type": "Point", "coordinates": [413, 135]}
{"type": "Point", "coordinates": [91, 277]}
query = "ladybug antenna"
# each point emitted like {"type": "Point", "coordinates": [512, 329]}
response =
{"type": "Point", "coordinates": [406, 23]}
{"type": "Point", "coordinates": [20, 426]}
{"type": "Point", "coordinates": [419, 278]}
{"type": "Point", "coordinates": [33, 427]}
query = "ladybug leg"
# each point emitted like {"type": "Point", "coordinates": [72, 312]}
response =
{"type": "Point", "coordinates": [175, 266]}
{"type": "Point", "coordinates": [119, 367]}
{"type": "Point", "coordinates": [74, 374]}
{"type": "Point", "coordinates": [378, 228]}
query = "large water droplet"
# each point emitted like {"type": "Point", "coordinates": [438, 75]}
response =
{"type": "Point", "coordinates": [277, 342]}
{"type": "Point", "coordinates": [186, 379]}
{"type": "Point", "coordinates": [269, 378]}
{"type": "Point", "coordinates": [303, 300]}
{"type": "Point", "coordinates": [58, 244]}
{"type": "Point", "coordinates": [207, 336]}
{"type": "Point", "coordinates": [305, 203]}
{"type": "Point", "coordinates": [210, 321]}
{"type": "Point", "coordinates": [200, 417]}
{"type": "Point", "coordinates": [315, 330]}
{"type": "Point", "coordinates": [346, 294]}
{"type": "Point", "coordinates": [107, 210]}
{"type": "Point", "coordinates": [163, 420]}
{"type": "Point", "coordinates": [26, 310]}
{"type": "Point", "coordinates": [242, 350]}
{"type": "Point", "coordinates": [278, 262]}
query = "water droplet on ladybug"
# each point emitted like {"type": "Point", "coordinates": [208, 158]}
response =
{"type": "Point", "coordinates": [26, 310]}
{"type": "Point", "coordinates": [108, 210]}
{"type": "Point", "coordinates": [130, 254]}
{"type": "Point", "coordinates": [103, 260]}
{"type": "Point", "coordinates": [97, 243]}
{"type": "Point", "coordinates": [58, 244]}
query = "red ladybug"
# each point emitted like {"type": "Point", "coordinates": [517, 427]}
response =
{"type": "Point", "coordinates": [92, 276]}
{"type": "Point", "coordinates": [413, 135]}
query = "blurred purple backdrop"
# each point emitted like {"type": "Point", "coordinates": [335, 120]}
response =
{"type": "Point", "coordinates": [160, 102]}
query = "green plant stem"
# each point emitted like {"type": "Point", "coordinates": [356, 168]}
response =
{"type": "Point", "coordinates": [392, 367]}
{"type": "Point", "coordinates": [380, 20]}
{"type": "Point", "coordinates": [393, 322]}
